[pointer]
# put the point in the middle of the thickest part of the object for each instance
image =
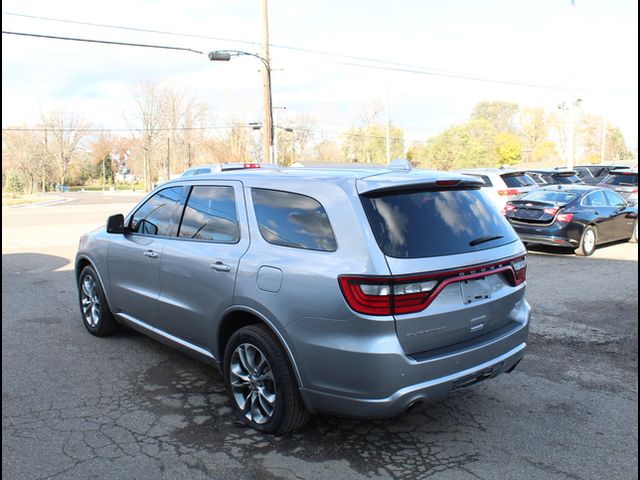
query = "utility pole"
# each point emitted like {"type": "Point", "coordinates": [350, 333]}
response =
{"type": "Point", "coordinates": [603, 134]}
{"type": "Point", "coordinates": [44, 160]}
{"type": "Point", "coordinates": [266, 82]}
{"type": "Point", "coordinates": [386, 122]}
{"type": "Point", "coordinates": [168, 159]}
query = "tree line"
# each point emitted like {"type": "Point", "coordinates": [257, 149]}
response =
{"type": "Point", "coordinates": [170, 130]}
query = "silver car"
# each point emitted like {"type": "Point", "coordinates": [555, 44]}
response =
{"type": "Point", "coordinates": [355, 292]}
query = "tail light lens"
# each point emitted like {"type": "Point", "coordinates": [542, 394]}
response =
{"type": "Point", "coordinates": [550, 211]}
{"type": "Point", "coordinates": [520, 269]}
{"type": "Point", "coordinates": [395, 296]}
{"type": "Point", "coordinates": [510, 192]}
{"type": "Point", "coordinates": [508, 208]}
{"type": "Point", "coordinates": [251, 165]}
{"type": "Point", "coordinates": [564, 217]}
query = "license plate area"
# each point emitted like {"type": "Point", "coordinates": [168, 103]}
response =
{"type": "Point", "coordinates": [475, 290]}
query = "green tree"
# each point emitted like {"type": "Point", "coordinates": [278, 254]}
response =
{"type": "Point", "coordinates": [13, 185]}
{"type": "Point", "coordinates": [368, 144]}
{"type": "Point", "coordinates": [508, 148]}
{"type": "Point", "coordinates": [500, 115]}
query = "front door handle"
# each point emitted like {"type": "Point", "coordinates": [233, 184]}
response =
{"type": "Point", "coordinates": [150, 254]}
{"type": "Point", "coordinates": [221, 267]}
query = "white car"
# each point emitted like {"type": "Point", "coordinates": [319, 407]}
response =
{"type": "Point", "coordinates": [502, 185]}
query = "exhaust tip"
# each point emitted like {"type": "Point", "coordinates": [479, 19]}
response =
{"type": "Point", "coordinates": [513, 367]}
{"type": "Point", "coordinates": [415, 405]}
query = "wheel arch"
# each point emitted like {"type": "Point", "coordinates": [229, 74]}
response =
{"type": "Point", "coordinates": [234, 318]}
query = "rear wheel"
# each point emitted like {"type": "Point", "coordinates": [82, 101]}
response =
{"type": "Point", "coordinates": [587, 242]}
{"type": "Point", "coordinates": [96, 315]}
{"type": "Point", "coordinates": [263, 390]}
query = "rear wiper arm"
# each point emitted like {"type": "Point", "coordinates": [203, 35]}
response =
{"type": "Point", "coordinates": [480, 240]}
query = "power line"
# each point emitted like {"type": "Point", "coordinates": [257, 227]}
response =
{"type": "Point", "coordinates": [102, 41]}
{"type": "Point", "coordinates": [374, 63]}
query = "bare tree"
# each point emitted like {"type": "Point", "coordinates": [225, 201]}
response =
{"type": "Point", "coordinates": [149, 101]}
{"type": "Point", "coordinates": [64, 133]}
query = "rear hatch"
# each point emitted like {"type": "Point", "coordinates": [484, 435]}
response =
{"type": "Point", "coordinates": [452, 258]}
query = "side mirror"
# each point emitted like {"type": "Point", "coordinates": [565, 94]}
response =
{"type": "Point", "coordinates": [115, 223]}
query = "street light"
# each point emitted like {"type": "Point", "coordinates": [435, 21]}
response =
{"type": "Point", "coordinates": [225, 56]}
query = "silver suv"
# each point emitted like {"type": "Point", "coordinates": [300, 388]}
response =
{"type": "Point", "coordinates": [355, 292]}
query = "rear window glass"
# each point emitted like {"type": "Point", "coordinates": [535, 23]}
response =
{"type": "Point", "coordinates": [549, 196]}
{"type": "Point", "coordinates": [483, 178]}
{"type": "Point", "coordinates": [292, 220]}
{"type": "Point", "coordinates": [622, 179]}
{"type": "Point", "coordinates": [433, 223]}
{"type": "Point", "coordinates": [567, 179]}
{"type": "Point", "coordinates": [517, 181]}
{"type": "Point", "coordinates": [210, 214]}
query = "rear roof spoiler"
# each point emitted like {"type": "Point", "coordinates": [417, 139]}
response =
{"type": "Point", "coordinates": [415, 180]}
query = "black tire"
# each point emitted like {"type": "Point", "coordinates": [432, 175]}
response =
{"type": "Point", "coordinates": [98, 321]}
{"type": "Point", "coordinates": [587, 242]}
{"type": "Point", "coordinates": [288, 412]}
{"type": "Point", "coordinates": [634, 236]}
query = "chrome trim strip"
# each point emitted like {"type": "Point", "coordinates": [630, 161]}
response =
{"type": "Point", "coordinates": [176, 340]}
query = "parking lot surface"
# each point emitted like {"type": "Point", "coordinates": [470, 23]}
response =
{"type": "Point", "coordinates": [75, 406]}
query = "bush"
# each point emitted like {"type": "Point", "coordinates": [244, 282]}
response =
{"type": "Point", "coordinates": [13, 184]}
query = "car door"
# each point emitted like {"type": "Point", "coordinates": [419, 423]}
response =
{"type": "Point", "coordinates": [198, 266]}
{"type": "Point", "coordinates": [622, 218]}
{"type": "Point", "coordinates": [601, 213]}
{"type": "Point", "coordinates": [134, 257]}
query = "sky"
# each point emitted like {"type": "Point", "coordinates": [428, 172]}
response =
{"type": "Point", "coordinates": [428, 62]}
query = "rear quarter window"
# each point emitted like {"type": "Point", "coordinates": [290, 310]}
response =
{"type": "Point", "coordinates": [435, 222]}
{"type": "Point", "coordinates": [292, 220]}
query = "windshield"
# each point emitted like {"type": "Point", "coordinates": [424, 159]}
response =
{"type": "Point", "coordinates": [432, 223]}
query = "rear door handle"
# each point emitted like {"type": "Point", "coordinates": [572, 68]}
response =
{"type": "Point", "coordinates": [150, 254]}
{"type": "Point", "coordinates": [221, 267]}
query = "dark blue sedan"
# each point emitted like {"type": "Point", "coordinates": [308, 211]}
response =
{"type": "Point", "coordinates": [577, 216]}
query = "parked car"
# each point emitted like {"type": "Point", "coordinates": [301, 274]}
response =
{"type": "Point", "coordinates": [623, 182]}
{"type": "Point", "coordinates": [502, 185]}
{"type": "Point", "coordinates": [221, 167]}
{"type": "Point", "coordinates": [593, 174]}
{"type": "Point", "coordinates": [357, 292]}
{"type": "Point", "coordinates": [577, 216]}
{"type": "Point", "coordinates": [552, 176]}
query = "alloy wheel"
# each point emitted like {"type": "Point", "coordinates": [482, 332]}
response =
{"type": "Point", "coordinates": [90, 301]}
{"type": "Point", "coordinates": [252, 383]}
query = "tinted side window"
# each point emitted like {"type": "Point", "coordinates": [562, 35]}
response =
{"type": "Point", "coordinates": [292, 220]}
{"type": "Point", "coordinates": [157, 216]}
{"type": "Point", "coordinates": [614, 199]}
{"type": "Point", "coordinates": [595, 199]}
{"type": "Point", "coordinates": [211, 215]}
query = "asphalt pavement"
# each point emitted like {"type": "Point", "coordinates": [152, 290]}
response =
{"type": "Point", "coordinates": [126, 407]}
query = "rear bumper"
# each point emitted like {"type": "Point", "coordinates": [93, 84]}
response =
{"type": "Point", "coordinates": [558, 235]}
{"type": "Point", "coordinates": [408, 381]}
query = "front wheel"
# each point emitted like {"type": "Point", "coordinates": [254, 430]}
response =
{"type": "Point", "coordinates": [96, 315]}
{"type": "Point", "coordinates": [587, 242]}
{"type": "Point", "coordinates": [263, 390]}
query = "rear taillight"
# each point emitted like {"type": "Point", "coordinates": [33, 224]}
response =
{"type": "Point", "coordinates": [509, 192]}
{"type": "Point", "coordinates": [550, 211]}
{"type": "Point", "coordinates": [395, 296]}
{"type": "Point", "coordinates": [564, 217]}
{"type": "Point", "coordinates": [251, 165]}
{"type": "Point", "coordinates": [508, 208]}
{"type": "Point", "coordinates": [386, 296]}
{"type": "Point", "coordinates": [520, 269]}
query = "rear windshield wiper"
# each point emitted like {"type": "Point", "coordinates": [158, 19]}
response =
{"type": "Point", "coordinates": [480, 240]}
